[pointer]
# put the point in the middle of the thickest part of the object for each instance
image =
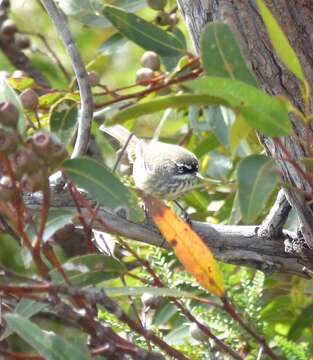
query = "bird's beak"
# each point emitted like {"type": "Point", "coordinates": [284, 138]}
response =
{"type": "Point", "coordinates": [199, 176]}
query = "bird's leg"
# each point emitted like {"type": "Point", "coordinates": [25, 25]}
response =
{"type": "Point", "coordinates": [185, 216]}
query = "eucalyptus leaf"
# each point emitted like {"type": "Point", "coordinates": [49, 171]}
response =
{"type": "Point", "coordinates": [257, 178]}
{"type": "Point", "coordinates": [103, 186]}
{"type": "Point", "coordinates": [143, 33]}
{"type": "Point", "coordinates": [263, 112]}
{"type": "Point", "coordinates": [8, 94]}
{"type": "Point", "coordinates": [221, 55]}
{"type": "Point", "coordinates": [48, 344]}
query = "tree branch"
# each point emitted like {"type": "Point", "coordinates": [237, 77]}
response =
{"type": "Point", "coordinates": [273, 224]}
{"type": "Point", "coordinates": [247, 24]}
{"type": "Point", "coordinates": [229, 243]}
{"type": "Point", "coordinates": [86, 112]}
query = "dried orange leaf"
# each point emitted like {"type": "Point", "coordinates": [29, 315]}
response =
{"type": "Point", "coordinates": [187, 244]}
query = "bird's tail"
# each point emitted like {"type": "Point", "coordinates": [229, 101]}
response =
{"type": "Point", "coordinates": [122, 135]}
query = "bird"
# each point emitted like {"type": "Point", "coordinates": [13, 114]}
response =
{"type": "Point", "coordinates": [165, 171]}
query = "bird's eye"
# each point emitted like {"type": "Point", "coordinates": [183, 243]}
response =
{"type": "Point", "coordinates": [181, 169]}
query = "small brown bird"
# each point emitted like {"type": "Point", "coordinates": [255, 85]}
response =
{"type": "Point", "coordinates": [163, 170]}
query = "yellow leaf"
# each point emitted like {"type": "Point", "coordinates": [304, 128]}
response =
{"type": "Point", "coordinates": [187, 244]}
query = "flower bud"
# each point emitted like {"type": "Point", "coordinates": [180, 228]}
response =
{"type": "Point", "coordinates": [8, 141]}
{"type": "Point", "coordinates": [25, 161]}
{"type": "Point", "coordinates": [58, 153]}
{"type": "Point", "coordinates": [157, 4]}
{"type": "Point", "coordinates": [93, 78]}
{"type": "Point", "coordinates": [8, 27]}
{"type": "Point", "coordinates": [144, 75]}
{"type": "Point", "coordinates": [22, 41]}
{"type": "Point", "coordinates": [6, 188]}
{"type": "Point", "coordinates": [33, 182]}
{"type": "Point", "coordinates": [196, 333]}
{"type": "Point", "coordinates": [150, 300]}
{"type": "Point", "coordinates": [9, 114]}
{"type": "Point", "coordinates": [151, 60]}
{"type": "Point", "coordinates": [163, 19]}
{"type": "Point", "coordinates": [174, 19]}
{"type": "Point", "coordinates": [42, 143]}
{"type": "Point", "coordinates": [29, 99]}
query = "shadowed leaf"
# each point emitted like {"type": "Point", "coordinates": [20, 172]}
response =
{"type": "Point", "coordinates": [257, 180]}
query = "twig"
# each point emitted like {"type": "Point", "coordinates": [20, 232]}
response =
{"type": "Point", "coordinates": [52, 53]}
{"type": "Point", "coordinates": [229, 307]}
{"type": "Point", "coordinates": [86, 112]}
{"type": "Point", "coordinates": [272, 225]}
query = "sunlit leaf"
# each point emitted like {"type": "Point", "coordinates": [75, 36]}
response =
{"type": "Point", "coordinates": [263, 112]}
{"type": "Point", "coordinates": [8, 94]}
{"type": "Point", "coordinates": [221, 55]}
{"type": "Point", "coordinates": [48, 344]}
{"type": "Point", "coordinates": [281, 44]}
{"type": "Point", "coordinates": [49, 99]}
{"type": "Point", "coordinates": [21, 83]}
{"type": "Point", "coordinates": [143, 33]}
{"type": "Point", "coordinates": [63, 119]}
{"type": "Point", "coordinates": [302, 322]}
{"type": "Point", "coordinates": [239, 130]}
{"type": "Point", "coordinates": [102, 185]}
{"type": "Point", "coordinates": [187, 244]}
{"type": "Point", "coordinates": [257, 179]}
{"type": "Point", "coordinates": [162, 103]}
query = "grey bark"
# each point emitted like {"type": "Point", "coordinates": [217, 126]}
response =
{"type": "Point", "coordinates": [296, 20]}
{"type": "Point", "coordinates": [230, 243]}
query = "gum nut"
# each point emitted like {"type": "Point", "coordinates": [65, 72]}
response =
{"type": "Point", "coordinates": [9, 114]}
{"type": "Point", "coordinates": [144, 75]}
{"type": "Point", "coordinates": [151, 60]}
{"type": "Point", "coordinates": [29, 99]}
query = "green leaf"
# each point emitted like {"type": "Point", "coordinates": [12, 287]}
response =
{"type": "Point", "coordinates": [57, 219]}
{"type": "Point", "coordinates": [143, 33]}
{"type": "Point", "coordinates": [257, 179]}
{"type": "Point", "coordinates": [162, 103]}
{"type": "Point", "coordinates": [21, 83]}
{"type": "Point", "coordinates": [88, 12]}
{"type": "Point", "coordinates": [221, 55]}
{"type": "Point", "coordinates": [138, 291]}
{"type": "Point", "coordinates": [302, 322]}
{"type": "Point", "coordinates": [90, 269]}
{"type": "Point", "coordinates": [281, 44]}
{"type": "Point", "coordinates": [210, 143]}
{"type": "Point", "coordinates": [112, 44]}
{"type": "Point", "coordinates": [63, 119]}
{"type": "Point", "coordinates": [239, 130]}
{"type": "Point", "coordinates": [263, 112]}
{"type": "Point", "coordinates": [48, 344]}
{"type": "Point", "coordinates": [8, 94]}
{"type": "Point", "coordinates": [26, 308]}
{"type": "Point", "coordinates": [102, 185]}
{"type": "Point", "coordinates": [49, 99]}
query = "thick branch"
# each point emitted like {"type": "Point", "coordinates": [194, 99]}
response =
{"type": "Point", "coordinates": [230, 243]}
{"type": "Point", "coordinates": [296, 19]}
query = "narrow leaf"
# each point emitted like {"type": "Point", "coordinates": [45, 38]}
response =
{"type": "Point", "coordinates": [57, 219]}
{"type": "Point", "coordinates": [263, 112]}
{"type": "Point", "coordinates": [49, 345]}
{"type": "Point", "coordinates": [143, 33]}
{"type": "Point", "coordinates": [281, 44]}
{"type": "Point", "coordinates": [90, 269]}
{"type": "Point", "coordinates": [302, 322]}
{"type": "Point", "coordinates": [26, 308]}
{"type": "Point", "coordinates": [187, 244]}
{"type": "Point", "coordinates": [240, 129]}
{"type": "Point", "coordinates": [162, 103]}
{"type": "Point", "coordinates": [221, 55]}
{"type": "Point", "coordinates": [63, 119]}
{"type": "Point", "coordinates": [102, 185]}
{"type": "Point", "coordinates": [8, 94]}
{"type": "Point", "coordinates": [257, 180]}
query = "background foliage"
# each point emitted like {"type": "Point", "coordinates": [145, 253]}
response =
{"type": "Point", "coordinates": [279, 306]}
